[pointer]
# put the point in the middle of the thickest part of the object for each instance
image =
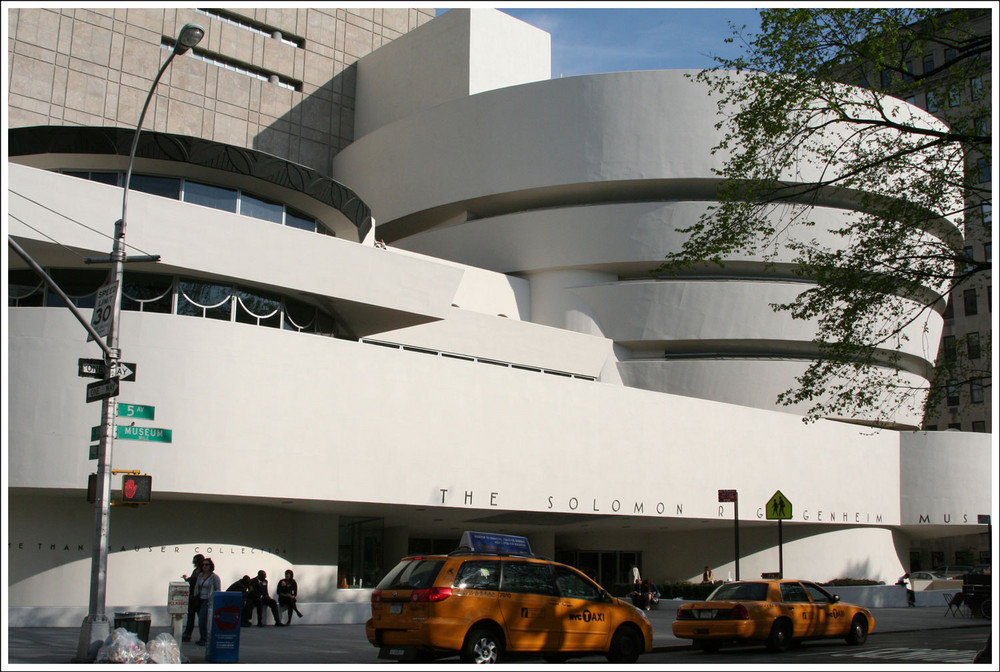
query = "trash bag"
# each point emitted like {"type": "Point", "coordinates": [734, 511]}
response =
{"type": "Point", "coordinates": [123, 646]}
{"type": "Point", "coordinates": [164, 650]}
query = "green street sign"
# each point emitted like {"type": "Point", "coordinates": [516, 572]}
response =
{"type": "Point", "coordinates": [144, 434]}
{"type": "Point", "coordinates": [778, 507]}
{"type": "Point", "coordinates": [136, 411]}
{"type": "Point", "coordinates": [136, 433]}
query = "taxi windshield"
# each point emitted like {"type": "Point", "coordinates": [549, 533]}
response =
{"type": "Point", "coordinates": [752, 592]}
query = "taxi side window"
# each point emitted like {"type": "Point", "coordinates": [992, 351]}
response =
{"type": "Point", "coordinates": [575, 586]}
{"type": "Point", "coordinates": [528, 577]}
{"type": "Point", "coordinates": [478, 575]}
{"type": "Point", "coordinates": [793, 592]}
{"type": "Point", "coordinates": [817, 593]}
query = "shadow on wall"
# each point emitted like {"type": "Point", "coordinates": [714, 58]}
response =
{"type": "Point", "coordinates": [314, 131]}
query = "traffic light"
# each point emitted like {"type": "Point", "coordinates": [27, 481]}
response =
{"type": "Point", "coordinates": [136, 489]}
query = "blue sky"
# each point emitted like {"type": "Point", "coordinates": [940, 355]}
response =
{"type": "Point", "coordinates": [585, 41]}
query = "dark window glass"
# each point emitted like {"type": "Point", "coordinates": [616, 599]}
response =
{"type": "Point", "coordinates": [972, 342]}
{"type": "Point", "coordinates": [24, 288]}
{"type": "Point", "coordinates": [251, 206]}
{"type": "Point", "coordinates": [908, 75]}
{"type": "Point", "coordinates": [976, 86]}
{"type": "Point", "coordinates": [955, 425]}
{"type": "Point", "coordinates": [985, 170]}
{"type": "Point", "coordinates": [949, 55]}
{"type": "Point", "coordinates": [168, 187]}
{"type": "Point", "coordinates": [106, 178]}
{"type": "Point", "coordinates": [147, 293]}
{"type": "Point", "coordinates": [979, 425]}
{"type": "Point", "coordinates": [219, 198]}
{"type": "Point", "coordinates": [976, 391]}
{"type": "Point", "coordinates": [988, 251]}
{"type": "Point", "coordinates": [953, 396]}
{"type": "Point", "coordinates": [931, 428]}
{"type": "Point", "coordinates": [528, 577]}
{"type": "Point", "coordinates": [80, 286]}
{"type": "Point", "coordinates": [793, 592]}
{"type": "Point", "coordinates": [751, 592]}
{"type": "Point", "coordinates": [478, 575]}
{"type": "Point", "coordinates": [254, 308]}
{"type": "Point", "coordinates": [863, 82]}
{"type": "Point", "coordinates": [573, 585]}
{"type": "Point", "coordinates": [971, 304]}
{"type": "Point", "coordinates": [949, 351]}
{"type": "Point", "coordinates": [949, 310]}
{"type": "Point", "coordinates": [204, 300]}
{"type": "Point", "coordinates": [816, 593]}
{"type": "Point", "coordinates": [954, 97]}
{"type": "Point", "coordinates": [885, 77]}
{"type": "Point", "coordinates": [298, 220]}
{"type": "Point", "coordinates": [410, 574]}
{"type": "Point", "coordinates": [79, 174]}
{"type": "Point", "coordinates": [933, 101]}
{"type": "Point", "coordinates": [986, 210]}
{"type": "Point", "coordinates": [928, 64]}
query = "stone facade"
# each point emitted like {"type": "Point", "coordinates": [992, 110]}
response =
{"type": "Point", "coordinates": [277, 80]}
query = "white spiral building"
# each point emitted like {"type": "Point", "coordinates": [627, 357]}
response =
{"type": "Point", "coordinates": [506, 362]}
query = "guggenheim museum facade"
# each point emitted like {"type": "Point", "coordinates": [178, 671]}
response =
{"type": "Point", "coordinates": [404, 291]}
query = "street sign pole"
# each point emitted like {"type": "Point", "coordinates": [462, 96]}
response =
{"type": "Point", "coordinates": [733, 496]}
{"type": "Point", "coordinates": [781, 555]}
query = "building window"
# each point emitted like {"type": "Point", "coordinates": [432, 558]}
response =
{"type": "Point", "coordinates": [933, 101]}
{"type": "Point", "coordinates": [968, 254]}
{"type": "Point", "coordinates": [359, 559]}
{"type": "Point", "coordinates": [885, 77]}
{"type": "Point", "coordinates": [976, 86]}
{"type": "Point", "coordinates": [986, 212]}
{"type": "Point", "coordinates": [979, 426]}
{"type": "Point", "coordinates": [928, 64]}
{"type": "Point", "coordinates": [863, 82]}
{"type": "Point", "coordinates": [24, 289]}
{"type": "Point", "coordinates": [210, 196]}
{"type": "Point", "coordinates": [166, 187]}
{"type": "Point", "coordinates": [908, 75]}
{"type": "Point", "coordinates": [912, 100]}
{"type": "Point", "coordinates": [949, 349]}
{"type": "Point", "coordinates": [955, 425]}
{"type": "Point", "coordinates": [258, 208]}
{"type": "Point", "coordinates": [988, 251]}
{"type": "Point", "coordinates": [971, 303]}
{"type": "Point", "coordinates": [972, 345]}
{"type": "Point", "coordinates": [976, 391]}
{"type": "Point", "coordinates": [949, 310]}
{"type": "Point", "coordinates": [930, 428]}
{"type": "Point", "coordinates": [148, 293]}
{"type": "Point", "coordinates": [950, 55]}
{"type": "Point", "coordinates": [952, 395]}
{"type": "Point", "coordinates": [954, 97]}
{"type": "Point", "coordinates": [985, 171]}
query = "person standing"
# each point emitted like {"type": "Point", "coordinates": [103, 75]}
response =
{"type": "Point", "coordinates": [707, 576]}
{"type": "Point", "coordinates": [288, 592]}
{"type": "Point", "coordinates": [208, 582]}
{"type": "Point", "coordinates": [192, 597]}
{"type": "Point", "coordinates": [262, 598]}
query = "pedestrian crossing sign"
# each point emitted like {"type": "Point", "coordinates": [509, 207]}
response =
{"type": "Point", "coordinates": [778, 507]}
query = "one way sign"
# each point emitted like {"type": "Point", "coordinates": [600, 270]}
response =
{"type": "Point", "coordinates": [96, 368]}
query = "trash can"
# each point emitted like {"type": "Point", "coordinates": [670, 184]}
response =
{"type": "Point", "coordinates": [134, 621]}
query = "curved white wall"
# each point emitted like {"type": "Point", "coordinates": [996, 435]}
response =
{"type": "Point", "coordinates": [581, 185]}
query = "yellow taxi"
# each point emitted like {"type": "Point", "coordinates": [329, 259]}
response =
{"type": "Point", "coordinates": [776, 612]}
{"type": "Point", "coordinates": [492, 597]}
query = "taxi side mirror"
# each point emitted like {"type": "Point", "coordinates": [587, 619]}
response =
{"type": "Point", "coordinates": [836, 598]}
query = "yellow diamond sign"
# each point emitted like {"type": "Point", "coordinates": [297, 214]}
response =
{"type": "Point", "coordinates": [778, 507]}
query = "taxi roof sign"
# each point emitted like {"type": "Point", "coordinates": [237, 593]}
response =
{"type": "Point", "coordinates": [495, 543]}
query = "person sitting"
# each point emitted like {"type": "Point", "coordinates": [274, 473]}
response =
{"type": "Point", "coordinates": [707, 576]}
{"type": "Point", "coordinates": [243, 586]}
{"type": "Point", "coordinates": [288, 592]}
{"type": "Point", "coordinates": [637, 595]}
{"type": "Point", "coordinates": [650, 595]}
{"type": "Point", "coordinates": [261, 598]}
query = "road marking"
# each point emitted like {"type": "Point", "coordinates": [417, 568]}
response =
{"type": "Point", "coordinates": [922, 655]}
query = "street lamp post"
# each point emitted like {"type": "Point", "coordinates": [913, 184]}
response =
{"type": "Point", "coordinates": [96, 628]}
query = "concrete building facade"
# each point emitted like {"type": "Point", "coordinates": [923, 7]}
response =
{"type": "Point", "coordinates": [366, 341]}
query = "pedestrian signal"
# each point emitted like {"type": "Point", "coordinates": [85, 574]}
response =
{"type": "Point", "coordinates": [137, 489]}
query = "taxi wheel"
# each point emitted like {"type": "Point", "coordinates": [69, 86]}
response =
{"type": "Point", "coordinates": [858, 632]}
{"type": "Point", "coordinates": [781, 636]}
{"type": "Point", "coordinates": [626, 646]}
{"type": "Point", "coordinates": [482, 645]}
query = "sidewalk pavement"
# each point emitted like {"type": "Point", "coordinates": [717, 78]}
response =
{"type": "Point", "coordinates": [346, 644]}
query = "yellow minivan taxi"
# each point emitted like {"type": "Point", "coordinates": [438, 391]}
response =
{"type": "Point", "coordinates": [486, 600]}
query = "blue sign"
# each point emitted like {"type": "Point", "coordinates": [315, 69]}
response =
{"type": "Point", "coordinates": [496, 543]}
{"type": "Point", "coordinates": [226, 611]}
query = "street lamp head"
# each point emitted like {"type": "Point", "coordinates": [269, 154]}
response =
{"type": "Point", "coordinates": [189, 36]}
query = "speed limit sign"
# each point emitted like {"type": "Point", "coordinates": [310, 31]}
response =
{"type": "Point", "coordinates": [104, 309]}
